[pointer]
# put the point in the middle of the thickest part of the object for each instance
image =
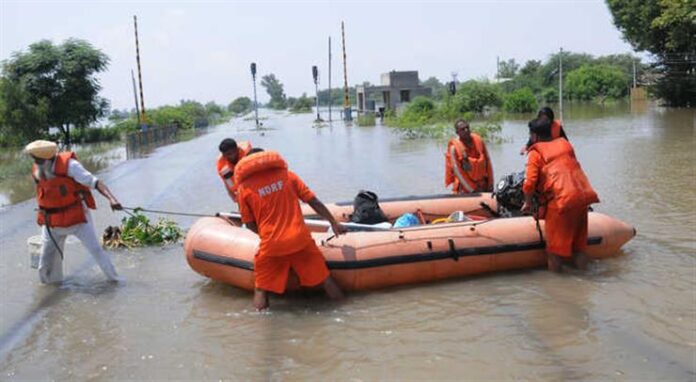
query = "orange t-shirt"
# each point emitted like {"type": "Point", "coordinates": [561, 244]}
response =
{"type": "Point", "coordinates": [270, 198]}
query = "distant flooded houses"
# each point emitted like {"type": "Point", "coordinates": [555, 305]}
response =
{"type": "Point", "coordinates": [397, 88]}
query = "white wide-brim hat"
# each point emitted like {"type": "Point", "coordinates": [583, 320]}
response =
{"type": "Point", "coordinates": [42, 149]}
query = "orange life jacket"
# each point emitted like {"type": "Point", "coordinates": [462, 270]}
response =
{"type": "Point", "coordinates": [265, 160]}
{"type": "Point", "coordinates": [478, 178]}
{"type": "Point", "coordinates": [562, 181]}
{"type": "Point", "coordinates": [60, 198]}
{"type": "Point", "coordinates": [225, 169]}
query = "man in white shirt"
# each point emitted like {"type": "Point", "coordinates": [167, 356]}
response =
{"type": "Point", "coordinates": [63, 188]}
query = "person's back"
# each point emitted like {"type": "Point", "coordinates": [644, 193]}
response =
{"type": "Point", "coordinates": [269, 197]}
{"type": "Point", "coordinates": [272, 198]}
{"type": "Point", "coordinates": [563, 179]}
{"type": "Point", "coordinates": [553, 170]}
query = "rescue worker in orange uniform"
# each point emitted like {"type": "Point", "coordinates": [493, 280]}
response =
{"type": "Point", "coordinates": [556, 127]}
{"type": "Point", "coordinates": [468, 167]}
{"type": "Point", "coordinates": [230, 154]}
{"type": "Point", "coordinates": [269, 196]}
{"type": "Point", "coordinates": [554, 174]}
{"type": "Point", "coordinates": [63, 193]}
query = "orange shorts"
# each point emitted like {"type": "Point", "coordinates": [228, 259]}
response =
{"type": "Point", "coordinates": [271, 272]}
{"type": "Point", "coordinates": [566, 233]}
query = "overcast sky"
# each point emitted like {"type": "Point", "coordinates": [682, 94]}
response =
{"type": "Point", "coordinates": [202, 50]}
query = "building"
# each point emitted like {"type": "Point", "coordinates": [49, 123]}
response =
{"type": "Point", "coordinates": [397, 88]}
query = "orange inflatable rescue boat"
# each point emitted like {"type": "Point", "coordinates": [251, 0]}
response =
{"type": "Point", "coordinates": [372, 257]}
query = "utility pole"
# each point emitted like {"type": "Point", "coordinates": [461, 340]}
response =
{"type": "Point", "coordinates": [315, 74]}
{"type": "Point", "coordinates": [135, 95]}
{"type": "Point", "coordinates": [560, 84]}
{"type": "Point", "coordinates": [330, 97]}
{"type": "Point", "coordinates": [497, 67]}
{"type": "Point", "coordinates": [346, 97]}
{"type": "Point", "coordinates": [634, 72]}
{"type": "Point", "coordinates": [143, 119]}
{"type": "Point", "coordinates": [256, 104]}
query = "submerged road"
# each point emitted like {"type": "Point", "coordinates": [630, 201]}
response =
{"type": "Point", "coordinates": [632, 317]}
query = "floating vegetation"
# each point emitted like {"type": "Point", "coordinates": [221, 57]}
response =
{"type": "Point", "coordinates": [137, 231]}
{"type": "Point", "coordinates": [490, 131]}
{"type": "Point", "coordinates": [251, 118]}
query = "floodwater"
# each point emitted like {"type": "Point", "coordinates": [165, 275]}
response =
{"type": "Point", "coordinates": [627, 318]}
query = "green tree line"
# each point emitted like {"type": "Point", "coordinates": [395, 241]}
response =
{"type": "Point", "coordinates": [667, 29]}
{"type": "Point", "coordinates": [51, 91]}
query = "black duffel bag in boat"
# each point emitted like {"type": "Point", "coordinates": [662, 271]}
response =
{"type": "Point", "coordinates": [366, 209]}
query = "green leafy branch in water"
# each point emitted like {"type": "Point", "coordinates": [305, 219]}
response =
{"type": "Point", "coordinates": [137, 230]}
{"type": "Point", "coordinates": [490, 130]}
{"type": "Point", "coordinates": [422, 118]}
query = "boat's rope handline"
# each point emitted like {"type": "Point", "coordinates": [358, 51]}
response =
{"type": "Point", "coordinates": [538, 227]}
{"type": "Point", "coordinates": [488, 209]}
{"type": "Point", "coordinates": [403, 239]}
{"type": "Point", "coordinates": [139, 209]}
{"type": "Point", "coordinates": [127, 210]}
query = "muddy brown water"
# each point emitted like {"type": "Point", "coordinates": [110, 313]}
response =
{"type": "Point", "coordinates": [631, 317]}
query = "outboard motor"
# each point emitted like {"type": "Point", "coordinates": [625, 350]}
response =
{"type": "Point", "coordinates": [508, 193]}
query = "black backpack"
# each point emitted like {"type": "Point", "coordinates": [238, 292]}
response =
{"type": "Point", "coordinates": [366, 209]}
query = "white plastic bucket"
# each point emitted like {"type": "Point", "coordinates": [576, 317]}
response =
{"type": "Point", "coordinates": [34, 245]}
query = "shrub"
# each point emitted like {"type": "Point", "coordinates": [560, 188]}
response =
{"type": "Point", "coordinates": [302, 105]}
{"type": "Point", "coordinates": [520, 101]}
{"type": "Point", "coordinates": [240, 105]}
{"type": "Point", "coordinates": [549, 95]}
{"type": "Point", "coordinates": [95, 134]}
{"type": "Point", "coordinates": [476, 96]}
{"type": "Point", "coordinates": [366, 119]}
{"type": "Point", "coordinates": [596, 81]}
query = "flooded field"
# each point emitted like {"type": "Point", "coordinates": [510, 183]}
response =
{"type": "Point", "coordinates": [631, 317]}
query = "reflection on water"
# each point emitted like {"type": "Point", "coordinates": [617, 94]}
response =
{"type": "Point", "coordinates": [630, 317]}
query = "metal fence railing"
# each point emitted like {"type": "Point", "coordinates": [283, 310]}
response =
{"type": "Point", "coordinates": [142, 142]}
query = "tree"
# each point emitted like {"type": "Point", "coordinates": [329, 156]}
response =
{"type": "Point", "coordinates": [119, 115]}
{"type": "Point", "coordinates": [211, 109]}
{"type": "Point", "coordinates": [530, 68]}
{"type": "Point", "coordinates": [475, 96]}
{"type": "Point", "coordinates": [196, 111]}
{"type": "Point", "coordinates": [665, 28]}
{"type": "Point", "coordinates": [596, 81]}
{"type": "Point", "coordinates": [419, 111]}
{"type": "Point", "coordinates": [549, 71]}
{"type": "Point", "coordinates": [528, 77]}
{"type": "Point", "coordinates": [275, 90]}
{"type": "Point", "coordinates": [520, 101]}
{"type": "Point", "coordinates": [439, 89]}
{"type": "Point", "coordinates": [303, 104]}
{"type": "Point", "coordinates": [508, 69]}
{"type": "Point", "coordinates": [20, 120]}
{"type": "Point", "coordinates": [57, 80]}
{"type": "Point", "coordinates": [240, 105]}
{"type": "Point", "coordinates": [624, 62]}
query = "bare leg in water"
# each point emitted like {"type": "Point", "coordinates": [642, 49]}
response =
{"type": "Point", "coordinates": [332, 289]}
{"type": "Point", "coordinates": [260, 299]}
{"type": "Point", "coordinates": [580, 260]}
{"type": "Point", "coordinates": [553, 262]}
